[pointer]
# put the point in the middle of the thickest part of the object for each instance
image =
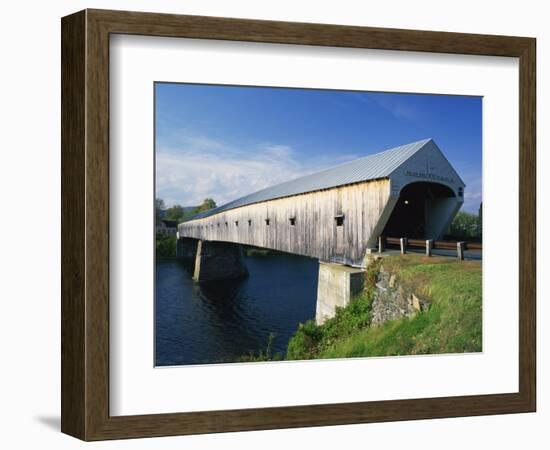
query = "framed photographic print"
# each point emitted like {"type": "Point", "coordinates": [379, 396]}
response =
{"type": "Point", "coordinates": [271, 224]}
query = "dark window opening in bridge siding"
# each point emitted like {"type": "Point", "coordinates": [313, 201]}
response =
{"type": "Point", "coordinates": [339, 220]}
{"type": "Point", "coordinates": [267, 222]}
{"type": "Point", "coordinates": [236, 223]}
{"type": "Point", "coordinates": [460, 192]}
{"type": "Point", "coordinates": [249, 222]}
{"type": "Point", "coordinates": [292, 221]}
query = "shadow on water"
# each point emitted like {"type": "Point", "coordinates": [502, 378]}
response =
{"type": "Point", "coordinates": [221, 321]}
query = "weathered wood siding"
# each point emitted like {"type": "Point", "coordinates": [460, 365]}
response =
{"type": "Point", "coordinates": [315, 233]}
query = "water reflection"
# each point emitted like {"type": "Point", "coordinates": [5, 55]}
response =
{"type": "Point", "coordinates": [220, 321]}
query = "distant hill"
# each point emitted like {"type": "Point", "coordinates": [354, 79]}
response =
{"type": "Point", "coordinates": [178, 212]}
{"type": "Point", "coordinates": [186, 210]}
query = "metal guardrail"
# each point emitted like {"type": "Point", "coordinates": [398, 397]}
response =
{"type": "Point", "coordinates": [428, 244]}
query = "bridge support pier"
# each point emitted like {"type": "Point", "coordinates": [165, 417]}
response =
{"type": "Point", "coordinates": [336, 286]}
{"type": "Point", "coordinates": [219, 261]}
{"type": "Point", "coordinates": [186, 249]}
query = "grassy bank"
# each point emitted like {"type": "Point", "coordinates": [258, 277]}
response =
{"type": "Point", "coordinates": [452, 324]}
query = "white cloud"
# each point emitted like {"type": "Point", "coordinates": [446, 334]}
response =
{"type": "Point", "coordinates": [202, 167]}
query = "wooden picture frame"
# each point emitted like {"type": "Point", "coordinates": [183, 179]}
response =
{"type": "Point", "coordinates": [85, 224]}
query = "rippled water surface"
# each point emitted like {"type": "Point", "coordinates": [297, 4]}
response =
{"type": "Point", "coordinates": [220, 321]}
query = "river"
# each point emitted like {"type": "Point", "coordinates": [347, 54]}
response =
{"type": "Point", "coordinates": [221, 321]}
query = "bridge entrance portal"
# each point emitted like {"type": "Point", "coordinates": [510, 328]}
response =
{"type": "Point", "coordinates": [423, 211]}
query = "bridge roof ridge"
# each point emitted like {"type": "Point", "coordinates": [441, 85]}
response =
{"type": "Point", "coordinates": [370, 167]}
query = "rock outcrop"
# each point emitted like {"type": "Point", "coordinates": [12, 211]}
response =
{"type": "Point", "coordinates": [392, 301]}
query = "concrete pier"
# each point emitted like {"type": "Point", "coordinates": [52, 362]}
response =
{"type": "Point", "coordinates": [336, 286]}
{"type": "Point", "coordinates": [219, 261]}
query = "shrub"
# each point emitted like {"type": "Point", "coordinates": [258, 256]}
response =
{"type": "Point", "coordinates": [266, 355]}
{"type": "Point", "coordinates": [310, 338]}
{"type": "Point", "coordinates": [165, 246]}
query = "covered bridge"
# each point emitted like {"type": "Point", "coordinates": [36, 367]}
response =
{"type": "Point", "coordinates": [337, 214]}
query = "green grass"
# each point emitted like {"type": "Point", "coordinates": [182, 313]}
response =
{"type": "Point", "coordinates": [311, 339]}
{"type": "Point", "coordinates": [262, 355]}
{"type": "Point", "coordinates": [452, 324]}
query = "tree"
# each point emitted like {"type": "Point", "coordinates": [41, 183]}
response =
{"type": "Point", "coordinates": [465, 225]}
{"type": "Point", "coordinates": [159, 209]}
{"type": "Point", "coordinates": [207, 204]}
{"type": "Point", "coordinates": [176, 212]}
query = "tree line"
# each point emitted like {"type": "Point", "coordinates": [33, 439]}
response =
{"type": "Point", "coordinates": [466, 226]}
{"type": "Point", "coordinates": [178, 212]}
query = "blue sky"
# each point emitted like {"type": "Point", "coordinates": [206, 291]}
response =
{"type": "Point", "coordinates": [225, 142]}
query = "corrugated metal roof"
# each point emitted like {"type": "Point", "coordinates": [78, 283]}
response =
{"type": "Point", "coordinates": [372, 167]}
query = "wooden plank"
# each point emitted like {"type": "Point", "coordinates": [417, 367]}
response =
{"type": "Point", "coordinates": [315, 233]}
{"type": "Point", "coordinates": [73, 226]}
{"type": "Point", "coordinates": [201, 27]}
